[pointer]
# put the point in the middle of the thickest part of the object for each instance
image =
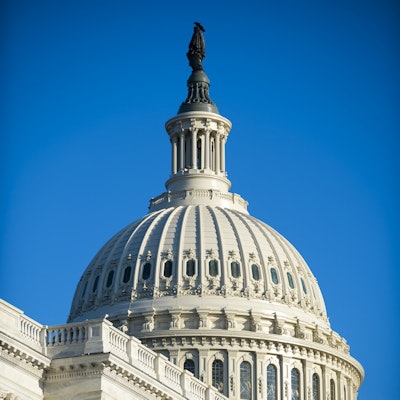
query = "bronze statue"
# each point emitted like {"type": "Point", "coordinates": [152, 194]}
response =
{"type": "Point", "coordinates": [197, 48]}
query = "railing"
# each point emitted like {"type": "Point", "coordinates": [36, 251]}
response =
{"type": "Point", "coordinates": [100, 336]}
{"type": "Point", "coordinates": [30, 329]}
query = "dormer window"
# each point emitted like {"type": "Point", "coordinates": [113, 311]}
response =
{"type": "Point", "coordinates": [127, 274]}
{"type": "Point", "coordinates": [168, 269]}
{"type": "Point", "coordinates": [290, 280]}
{"type": "Point", "coordinates": [95, 283]}
{"type": "Point", "coordinates": [213, 267]}
{"type": "Point", "coordinates": [110, 278]}
{"type": "Point", "coordinates": [190, 267]}
{"type": "Point", "coordinates": [235, 269]}
{"type": "Point", "coordinates": [146, 271]}
{"type": "Point", "coordinates": [255, 272]}
{"type": "Point", "coordinates": [274, 276]}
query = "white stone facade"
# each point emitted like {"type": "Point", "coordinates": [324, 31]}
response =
{"type": "Point", "coordinates": [88, 360]}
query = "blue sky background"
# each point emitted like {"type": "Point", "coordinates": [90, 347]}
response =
{"type": "Point", "coordinates": [312, 90]}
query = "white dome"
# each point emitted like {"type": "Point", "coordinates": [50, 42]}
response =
{"type": "Point", "coordinates": [198, 251]}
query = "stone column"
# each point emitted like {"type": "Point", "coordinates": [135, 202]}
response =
{"type": "Point", "coordinates": [194, 148]}
{"type": "Point", "coordinates": [207, 149]}
{"type": "Point", "coordinates": [223, 141]}
{"type": "Point", "coordinates": [174, 155]}
{"type": "Point", "coordinates": [217, 152]}
{"type": "Point", "coordinates": [182, 150]}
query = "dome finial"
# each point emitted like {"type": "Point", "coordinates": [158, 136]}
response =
{"type": "Point", "coordinates": [198, 83]}
{"type": "Point", "coordinates": [197, 48]}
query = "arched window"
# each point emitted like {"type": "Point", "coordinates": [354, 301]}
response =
{"type": "Point", "coordinates": [272, 383]}
{"type": "Point", "coordinates": [290, 280]}
{"type": "Point", "coordinates": [168, 269]}
{"type": "Point", "coordinates": [110, 278]}
{"type": "Point", "coordinates": [213, 267]}
{"type": "Point", "coordinates": [295, 380]}
{"type": "Point", "coordinates": [274, 276]}
{"type": "Point", "coordinates": [146, 271]}
{"type": "Point", "coordinates": [95, 283]}
{"type": "Point", "coordinates": [235, 269]}
{"type": "Point", "coordinates": [127, 274]}
{"type": "Point", "coordinates": [217, 375]}
{"type": "Point", "coordinates": [303, 284]}
{"type": "Point", "coordinates": [333, 390]}
{"type": "Point", "coordinates": [255, 272]}
{"type": "Point", "coordinates": [315, 387]}
{"type": "Point", "coordinates": [189, 366]}
{"type": "Point", "coordinates": [190, 267]}
{"type": "Point", "coordinates": [245, 381]}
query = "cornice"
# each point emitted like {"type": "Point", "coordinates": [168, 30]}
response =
{"type": "Point", "coordinates": [270, 344]}
{"type": "Point", "coordinates": [23, 359]}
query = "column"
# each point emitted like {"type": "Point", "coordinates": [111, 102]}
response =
{"type": "Point", "coordinates": [207, 149]}
{"type": "Point", "coordinates": [223, 141]}
{"type": "Point", "coordinates": [182, 150]}
{"type": "Point", "coordinates": [174, 155]}
{"type": "Point", "coordinates": [217, 153]}
{"type": "Point", "coordinates": [194, 148]}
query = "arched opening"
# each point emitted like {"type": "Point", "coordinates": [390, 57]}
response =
{"type": "Point", "coordinates": [272, 384]}
{"type": "Point", "coordinates": [245, 381]}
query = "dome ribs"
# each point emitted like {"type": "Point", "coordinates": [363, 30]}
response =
{"type": "Point", "coordinates": [238, 247]}
{"type": "Point", "coordinates": [181, 228]}
{"type": "Point", "coordinates": [146, 252]}
{"type": "Point", "coordinates": [219, 249]}
{"type": "Point", "coordinates": [162, 248]}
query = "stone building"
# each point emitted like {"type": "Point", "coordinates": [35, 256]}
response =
{"type": "Point", "coordinates": [196, 300]}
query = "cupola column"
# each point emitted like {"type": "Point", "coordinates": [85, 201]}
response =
{"type": "Point", "coordinates": [217, 153]}
{"type": "Point", "coordinates": [174, 155]}
{"type": "Point", "coordinates": [194, 147]}
{"type": "Point", "coordinates": [182, 150]}
{"type": "Point", "coordinates": [223, 140]}
{"type": "Point", "coordinates": [207, 148]}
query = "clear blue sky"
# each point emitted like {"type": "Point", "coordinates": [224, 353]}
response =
{"type": "Point", "coordinates": [312, 90]}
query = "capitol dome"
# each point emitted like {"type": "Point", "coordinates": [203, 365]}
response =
{"type": "Point", "coordinates": [183, 256]}
{"type": "Point", "coordinates": [217, 291]}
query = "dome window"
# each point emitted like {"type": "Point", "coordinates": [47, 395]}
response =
{"type": "Point", "coordinates": [235, 269]}
{"type": "Point", "coordinates": [274, 276]}
{"type": "Point", "coordinates": [189, 366]}
{"type": "Point", "coordinates": [272, 393]}
{"type": "Point", "coordinates": [255, 272]}
{"type": "Point", "coordinates": [84, 289]}
{"type": "Point", "coordinates": [315, 387]}
{"type": "Point", "coordinates": [190, 267]}
{"type": "Point", "coordinates": [127, 274]}
{"type": "Point", "coordinates": [213, 267]}
{"type": "Point", "coordinates": [295, 380]}
{"type": "Point", "coordinates": [95, 283]}
{"type": "Point", "coordinates": [245, 381]}
{"type": "Point", "coordinates": [303, 284]}
{"type": "Point", "coordinates": [146, 271]}
{"type": "Point", "coordinates": [333, 390]}
{"type": "Point", "coordinates": [217, 375]}
{"type": "Point", "coordinates": [290, 280]}
{"type": "Point", "coordinates": [168, 269]}
{"type": "Point", "coordinates": [110, 278]}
